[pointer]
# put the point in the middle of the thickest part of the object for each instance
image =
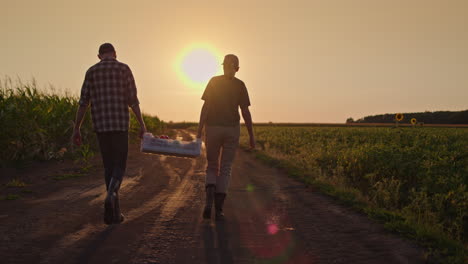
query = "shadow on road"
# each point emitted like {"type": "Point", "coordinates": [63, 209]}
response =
{"type": "Point", "coordinates": [94, 245]}
{"type": "Point", "coordinates": [219, 252]}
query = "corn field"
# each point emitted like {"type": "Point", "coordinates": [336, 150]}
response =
{"type": "Point", "coordinates": [37, 124]}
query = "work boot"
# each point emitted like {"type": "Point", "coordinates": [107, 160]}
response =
{"type": "Point", "coordinates": [109, 204]}
{"type": "Point", "coordinates": [110, 201]}
{"type": "Point", "coordinates": [210, 192]}
{"type": "Point", "coordinates": [118, 217]}
{"type": "Point", "coordinates": [219, 201]}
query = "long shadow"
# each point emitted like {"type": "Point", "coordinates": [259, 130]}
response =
{"type": "Point", "coordinates": [94, 245]}
{"type": "Point", "coordinates": [220, 254]}
{"type": "Point", "coordinates": [209, 244]}
{"type": "Point", "coordinates": [225, 254]}
{"type": "Point", "coordinates": [98, 242]}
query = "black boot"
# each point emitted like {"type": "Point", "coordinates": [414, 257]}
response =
{"type": "Point", "coordinates": [210, 195]}
{"type": "Point", "coordinates": [219, 201]}
{"type": "Point", "coordinates": [118, 216]}
{"type": "Point", "coordinates": [109, 202]}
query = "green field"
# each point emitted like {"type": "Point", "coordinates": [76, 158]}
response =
{"type": "Point", "coordinates": [37, 124]}
{"type": "Point", "coordinates": [414, 179]}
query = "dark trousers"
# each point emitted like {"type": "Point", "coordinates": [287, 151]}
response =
{"type": "Point", "coordinates": [114, 150]}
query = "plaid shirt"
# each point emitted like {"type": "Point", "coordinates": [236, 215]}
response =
{"type": "Point", "coordinates": [110, 88]}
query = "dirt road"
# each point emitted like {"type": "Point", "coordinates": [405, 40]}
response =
{"type": "Point", "coordinates": [270, 219]}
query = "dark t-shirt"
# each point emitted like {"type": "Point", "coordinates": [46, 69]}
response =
{"type": "Point", "coordinates": [224, 96]}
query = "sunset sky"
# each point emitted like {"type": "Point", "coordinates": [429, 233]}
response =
{"type": "Point", "coordinates": [302, 61]}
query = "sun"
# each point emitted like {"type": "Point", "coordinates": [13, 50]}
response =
{"type": "Point", "coordinates": [197, 64]}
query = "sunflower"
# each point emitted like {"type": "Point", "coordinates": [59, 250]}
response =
{"type": "Point", "coordinates": [413, 121]}
{"type": "Point", "coordinates": [399, 117]}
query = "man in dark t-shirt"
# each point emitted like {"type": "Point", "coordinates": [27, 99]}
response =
{"type": "Point", "coordinates": [223, 96]}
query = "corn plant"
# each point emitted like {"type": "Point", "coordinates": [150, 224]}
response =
{"type": "Point", "coordinates": [38, 123]}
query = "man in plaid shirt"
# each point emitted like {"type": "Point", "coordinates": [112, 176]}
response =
{"type": "Point", "coordinates": [110, 88]}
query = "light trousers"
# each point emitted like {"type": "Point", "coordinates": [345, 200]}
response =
{"type": "Point", "coordinates": [221, 147]}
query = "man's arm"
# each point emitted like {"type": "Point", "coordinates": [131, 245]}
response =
{"type": "Point", "coordinates": [83, 103]}
{"type": "Point", "coordinates": [203, 116]}
{"type": "Point", "coordinates": [133, 101]}
{"type": "Point", "coordinates": [78, 121]}
{"type": "Point", "coordinates": [248, 123]}
{"type": "Point", "coordinates": [136, 110]}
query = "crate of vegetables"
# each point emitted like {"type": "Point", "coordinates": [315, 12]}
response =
{"type": "Point", "coordinates": [165, 146]}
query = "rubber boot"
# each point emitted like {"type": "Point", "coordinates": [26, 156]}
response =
{"type": "Point", "coordinates": [118, 216]}
{"type": "Point", "coordinates": [219, 201]}
{"type": "Point", "coordinates": [210, 193]}
{"type": "Point", "coordinates": [110, 201]}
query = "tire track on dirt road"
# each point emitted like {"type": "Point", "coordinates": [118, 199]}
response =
{"type": "Point", "coordinates": [128, 240]}
{"type": "Point", "coordinates": [86, 242]}
{"type": "Point", "coordinates": [170, 228]}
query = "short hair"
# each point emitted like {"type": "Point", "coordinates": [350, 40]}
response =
{"type": "Point", "coordinates": [105, 48]}
{"type": "Point", "coordinates": [231, 59]}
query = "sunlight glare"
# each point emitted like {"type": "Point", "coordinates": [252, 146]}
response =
{"type": "Point", "coordinates": [198, 64]}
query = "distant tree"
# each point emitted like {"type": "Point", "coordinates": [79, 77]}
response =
{"type": "Point", "coordinates": [350, 120]}
{"type": "Point", "coordinates": [439, 117]}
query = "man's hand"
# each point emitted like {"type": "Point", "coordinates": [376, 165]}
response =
{"type": "Point", "coordinates": [203, 116]}
{"type": "Point", "coordinates": [142, 131]}
{"type": "Point", "coordinates": [76, 138]}
{"type": "Point", "coordinates": [248, 123]}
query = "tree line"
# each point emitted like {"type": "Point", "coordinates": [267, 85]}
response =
{"type": "Point", "coordinates": [438, 117]}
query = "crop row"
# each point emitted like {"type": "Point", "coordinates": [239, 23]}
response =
{"type": "Point", "coordinates": [421, 173]}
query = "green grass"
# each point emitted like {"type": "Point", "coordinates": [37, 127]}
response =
{"type": "Point", "coordinates": [11, 197]}
{"type": "Point", "coordinates": [16, 183]}
{"type": "Point", "coordinates": [412, 180]}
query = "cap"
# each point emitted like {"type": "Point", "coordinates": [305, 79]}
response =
{"type": "Point", "coordinates": [231, 58]}
{"type": "Point", "coordinates": [105, 48]}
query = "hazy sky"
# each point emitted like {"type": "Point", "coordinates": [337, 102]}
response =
{"type": "Point", "coordinates": [302, 61]}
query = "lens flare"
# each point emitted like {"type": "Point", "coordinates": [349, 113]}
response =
{"type": "Point", "coordinates": [272, 229]}
{"type": "Point", "coordinates": [197, 64]}
{"type": "Point", "coordinates": [265, 236]}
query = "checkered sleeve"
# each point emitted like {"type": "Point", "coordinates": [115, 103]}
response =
{"type": "Point", "coordinates": [131, 86]}
{"type": "Point", "coordinates": [85, 90]}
